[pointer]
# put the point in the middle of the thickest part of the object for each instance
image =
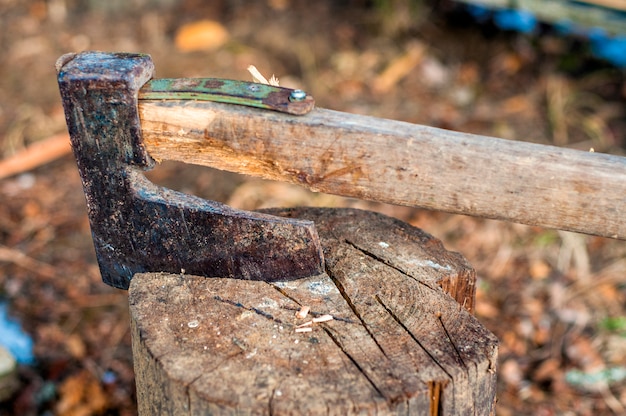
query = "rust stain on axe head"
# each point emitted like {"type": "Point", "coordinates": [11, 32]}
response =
{"type": "Point", "coordinates": [140, 227]}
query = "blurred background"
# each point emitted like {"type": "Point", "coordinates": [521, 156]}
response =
{"type": "Point", "coordinates": [556, 300]}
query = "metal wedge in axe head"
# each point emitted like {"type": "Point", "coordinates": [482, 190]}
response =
{"type": "Point", "coordinates": [140, 227]}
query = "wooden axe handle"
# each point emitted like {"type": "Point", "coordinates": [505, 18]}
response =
{"type": "Point", "coordinates": [397, 162]}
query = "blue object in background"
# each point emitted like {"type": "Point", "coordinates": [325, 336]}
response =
{"type": "Point", "coordinates": [567, 28]}
{"type": "Point", "coordinates": [109, 377]}
{"type": "Point", "coordinates": [480, 13]}
{"type": "Point", "coordinates": [612, 49]}
{"type": "Point", "coordinates": [14, 339]}
{"type": "Point", "coordinates": [518, 20]}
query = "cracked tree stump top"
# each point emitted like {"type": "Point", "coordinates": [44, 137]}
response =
{"type": "Point", "coordinates": [401, 341]}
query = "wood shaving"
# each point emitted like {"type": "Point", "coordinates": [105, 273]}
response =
{"type": "Point", "coordinates": [258, 77]}
{"type": "Point", "coordinates": [303, 312]}
{"type": "Point", "coordinates": [323, 318]}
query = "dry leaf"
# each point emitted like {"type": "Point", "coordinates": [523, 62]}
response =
{"type": "Point", "coordinates": [203, 35]}
{"type": "Point", "coordinates": [539, 269]}
{"type": "Point", "coordinates": [584, 354]}
{"type": "Point", "coordinates": [81, 394]}
{"type": "Point", "coordinates": [547, 370]}
{"type": "Point", "coordinates": [75, 346]}
{"type": "Point", "coordinates": [511, 372]}
{"type": "Point", "coordinates": [485, 309]}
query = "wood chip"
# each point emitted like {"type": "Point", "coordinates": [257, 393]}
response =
{"type": "Point", "coordinates": [303, 312]}
{"type": "Point", "coordinates": [259, 78]}
{"type": "Point", "coordinates": [306, 329]}
{"type": "Point", "coordinates": [323, 318]}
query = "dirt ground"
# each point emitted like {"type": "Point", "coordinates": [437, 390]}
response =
{"type": "Point", "coordinates": [556, 300]}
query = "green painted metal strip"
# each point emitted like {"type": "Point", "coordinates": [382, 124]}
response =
{"type": "Point", "coordinates": [230, 92]}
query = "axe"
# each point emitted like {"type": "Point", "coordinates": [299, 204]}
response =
{"type": "Point", "coordinates": [121, 122]}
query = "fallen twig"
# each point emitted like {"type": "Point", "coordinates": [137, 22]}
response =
{"type": "Point", "coordinates": [36, 155]}
{"type": "Point", "coordinates": [11, 255]}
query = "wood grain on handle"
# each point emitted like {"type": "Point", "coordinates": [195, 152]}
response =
{"type": "Point", "coordinates": [398, 163]}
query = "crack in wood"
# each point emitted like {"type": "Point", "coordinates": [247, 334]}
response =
{"type": "Point", "coordinates": [299, 303]}
{"type": "Point", "coordinates": [458, 353]}
{"type": "Point", "coordinates": [410, 333]}
{"type": "Point", "coordinates": [387, 263]}
{"type": "Point", "coordinates": [188, 397]}
{"type": "Point", "coordinates": [270, 403]}
{"type": "Point", "coordinates": [435, 389]}
{"type": "Point", "coordinates": [285, 294]}
{"type": "Point", "coordinates": [354, 309]}
{"type": "Point", "coordinates": [251, 309]}
{"type": "Point", "coordinates": [187, 388]}
{"type": "Point", "coordinates": [354, 362]}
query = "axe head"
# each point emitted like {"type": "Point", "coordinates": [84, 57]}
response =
{"type": "Point", "coordinates": [140, 227]}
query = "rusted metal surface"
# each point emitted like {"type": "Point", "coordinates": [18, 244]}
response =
{"type": "Point", "coordinates": [140, 227]}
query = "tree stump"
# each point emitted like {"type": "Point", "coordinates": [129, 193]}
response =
{"type": "Point", "coordinates": [401, 340]}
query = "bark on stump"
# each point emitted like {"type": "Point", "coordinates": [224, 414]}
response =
{"type": "Point", "coordinates": [402, 341]}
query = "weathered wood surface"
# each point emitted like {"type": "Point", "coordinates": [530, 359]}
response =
{"type": "Point", "coordinates": [398, 163]}
{"type": "Point", "coordinates": [397, 344]}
